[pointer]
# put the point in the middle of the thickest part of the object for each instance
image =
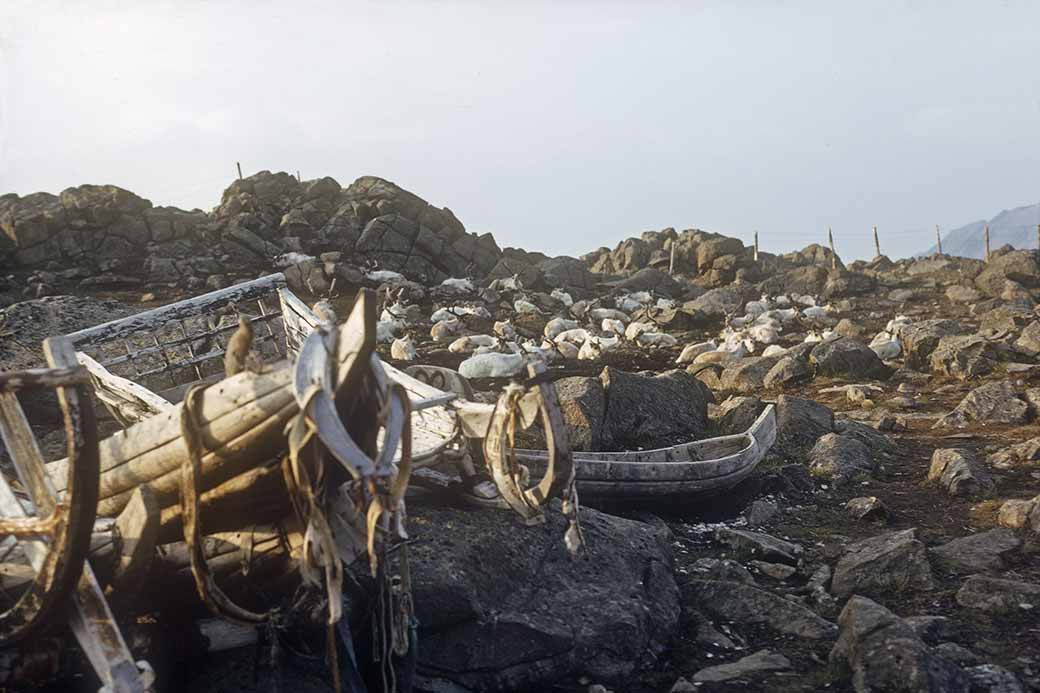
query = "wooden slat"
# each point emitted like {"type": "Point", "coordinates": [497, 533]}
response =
{"type": "Point", "coordinates": [150, 320]}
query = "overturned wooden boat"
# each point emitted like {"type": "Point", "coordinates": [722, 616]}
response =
{"type": "Point", "coordinates": [698, 468]}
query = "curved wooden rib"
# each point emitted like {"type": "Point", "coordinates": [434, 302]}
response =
{"type": "Point", "coordinates": [59, 563]}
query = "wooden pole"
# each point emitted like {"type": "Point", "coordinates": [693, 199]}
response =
{"type": "Point", "coordinates": [938, 239]}
{"type": "Point", "coordinates": [1038, 242]}
{"type": "Point", "coordinates": [756, 246]}
{"type": "Point", "coordinates": [239, 166]}
{"type": "Point", "coordinates": [298, 179]}
{"type": "Point", "coordinates": [877, 243]}
{"type": "Point", "coordinates": [987, 242]}
{"type": "Point", "coordinates": [834, 256]}
{"type": "Point", "coordinates": [671, 260]}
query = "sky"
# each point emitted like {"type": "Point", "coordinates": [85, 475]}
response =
{"type": "Point", "coordinates": [557, 126]}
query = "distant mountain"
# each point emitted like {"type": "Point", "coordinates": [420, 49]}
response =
{"type": "Point", "coordinates": [1016, 227]}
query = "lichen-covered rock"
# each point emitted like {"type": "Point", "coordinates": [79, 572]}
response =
{"type": "Point", "coordinates": [895, 561]}
{"type": "Point", "coordinates": [788, 370]}
{"type": "Point", "coordinates": [736, 414]}
{"type": "Point", "coordinates": [1024, 454]}
{"type": "Point", "coordinates": [746, 375]}
{"type": "Point", "coordinates": [959, 473]}
{"type": "Point", "coordinates": [882, 652]}
{"type": "Point", "coordinates": [920, 339]}
{"type": "Point", "coordinates": [992, 403]}
{"type": "Point", "coordinates": [998, 596]}
{"type": "Point", "coordinates": [841, 458]}
{"type": "Point", "coordinates": [964, 357]}
{"type": "Point", "coordinates": [976, 553]}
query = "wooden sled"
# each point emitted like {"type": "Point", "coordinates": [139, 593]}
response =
{"type": "Point", "coordinates": [48, 533]}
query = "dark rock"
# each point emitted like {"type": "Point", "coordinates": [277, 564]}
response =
{"type": "Point", "coordinates": [788, 369]}
{"type": "Point", "coordinates": [935, 629]}
{"type": "Point", "coordinates": [847, 358]}
{"type": "Point", "coordinates": [736, 414]}
{"type": "Point", "coordinates": [895, 561]}
{"type": "Point", "coordinates": [976, 553]}
{"type": "Point", "coordinates": [598, 616]}
{"type": "Point", "coordinates": [583, 403]}
{"type": "Point", "coordinates": [746, 375]}
{"type": "Point", "coordinates": [992, 678]}
{"type": "Point", "coordinates": [964, 357]}
{"type": "Point", "coordinates": [742, 603]}
{"type": "Point", "coordinates": [568, 273]}
{"type": "Point", "coordinates": [841, 458]}
{"type": "Point", "coordinates": [958, 654]}
{"type": "Point", "coordinates": [992, 403]}
{"type": "Point", "coordinates": [718, 302]}
{"type": "Point", "coordinates": [800, 422]}
{"type": "Point", "coordinates": [758, 545]}
{"type": "Point", "coordinates": [879, 444]}
{"type": "Point", "coordinates": [998, 596]}
{"type": "Point", "coordinates": [868, 509]}
{"type": "Point", "coordinates": [883, 653]}
{"type": "Point", "coordinates": [958, 472]}
{"type": "Point", "coordinates": [644, 411]}
{"type": "Point", "coordinates": [760, 512]}
{"type": "Point", "coordinates": [721, 569]}
{"type": "Point", "coordinates": [754, 665]}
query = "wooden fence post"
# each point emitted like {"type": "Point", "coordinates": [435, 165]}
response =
{"type": "Point", "coordinates": [834, 256]}
{"type": "Point", "coordinates": [877, 243]}
{"type": "Point", "coordinates": [671, 259]}
{"type": "Point", "coordinates": [987, 243]}
{"type": "Point", "coordinates": [298, 179]}
{"type": "Point", "coordinates": [938, 239]}
{"type": "Point", "coordinates": [239, 167]}
{"type": "Point", "coordinates": [756, 246]}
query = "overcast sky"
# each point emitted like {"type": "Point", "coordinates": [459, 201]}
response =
{"type": "Point", "coordinates": [557, 126]}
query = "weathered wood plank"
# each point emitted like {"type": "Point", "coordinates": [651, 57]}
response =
{"type": "Point", "coordinates": [150, 320]}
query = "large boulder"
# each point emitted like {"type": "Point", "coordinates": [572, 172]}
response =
{"type": "Point", "coordinates": [650, 411]}
{"type": "Point", "coordinates": [1019, 266]}
{"type": "Point", "coordinates": [503, 607]}
{"type": "Point", "coordinates": [747, 375]}
{"type": "Point", "coordinates": [992, 403]}
{"type": "Point", "coordinates": [801, 422]}
{"type": "Point", "coordinates": [719, 302]}
{"type": "Point", "coordinates": [891, 562]}
{"type": "Point", "coordinates": [847, 358]}
{"type": "Point", "coordinates": [583, 404]}
{"type": "Point", "coordinates": [976, 553]}
{"type": "Point", "coordinates": [841, 458]}
{"type": "Point", "coordinates": [567, 273]}
{"type": "Point", "coordinates": [788, 370]}
{"type": "Point", "coordinates": [964, 357]}
{"type": "Point", "coordinates": [920, 339]}
{"type": "Point", "coordinates": [881, 652]}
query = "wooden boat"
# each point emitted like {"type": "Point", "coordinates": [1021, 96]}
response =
{"type": "Point", "coordinates": [698, 468]}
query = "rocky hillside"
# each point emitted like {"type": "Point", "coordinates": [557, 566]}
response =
{"type": "Point", "coordinates": [1013, 227]}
